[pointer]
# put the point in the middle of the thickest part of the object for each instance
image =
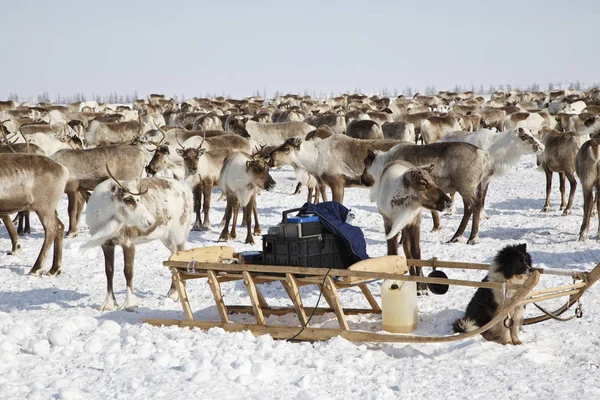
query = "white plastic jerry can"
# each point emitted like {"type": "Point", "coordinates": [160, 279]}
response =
{"type": "Point", "coordinates": [399, 306]}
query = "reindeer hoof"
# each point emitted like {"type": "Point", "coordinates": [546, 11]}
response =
{"type": "Point", "coordinates": [436, 229]}
{"type": "Point", "coordinates": [71, 235]}
{"type": "Point", "coordinates": [584, 237]}
{"type": "Point", "coordinates": [516, 342]}
{"type": "Point", "coordinates": [457, 239]}
{"type": "Point", "coordinates": [546, 209]}
{"type": "Point", "coordinates": [54, 272]}
{"type": "Point", "coordinates": [249, 240]}
{"type": "Point", "coordinates": [173, 294]}
{"type": "Point", "coordinates": [474, 240]}
{"type": "Point", "coordinates": [35, 272]}
{"type": "Point", "coordinates": [566, 212]}
{"type": "Point", "coordinates": [224, 237]}
{"type": "Point", "coordinates": [257, 231]}
{"type": "Point", "coordinates": [16, 251]}
{"type": "Point", "coordinates": [196, 227]}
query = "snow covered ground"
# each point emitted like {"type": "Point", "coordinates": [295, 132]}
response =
{"type": "Point", "coordinates": [54, 343]}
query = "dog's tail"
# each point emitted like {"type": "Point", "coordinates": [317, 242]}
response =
{"type": "Point", "coordinates": [464, 325]}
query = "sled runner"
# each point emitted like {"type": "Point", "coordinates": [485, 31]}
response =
{"type": "Point", "coordinates": [218, 264]}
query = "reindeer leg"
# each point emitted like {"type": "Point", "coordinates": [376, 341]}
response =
{"type": "Point", "coordinates": [392, 244]}
{"type": "Point", "coordinates": [27, 223]}
{"type": "Point", "coordinates": [479, 203]}
{"type": "Point", "coordinates": [21, 223]}
{"type": "Point", "coordinates": [598, 206]}
{"type": "Point", "coordinates": [72, 208]}
{"type": "Point", "coordinates": [323, 190]}
{"type": "Point", "coordinates": [206, 193]}
{"type": "Point", "coordinates": [109, 268]}
{"type": "Point", "coordinates": [129, 257]}
{"type": "Point", "coordinates": [12, 233]}
{"type": "Point", "coordinates": [309, 197]}
{"type": "Point", "coordinates": [257, 228]}
{"type": "Point", "coordinates": [227, 217]}
{"type": "Point", "coordinates": [548, 172]}
{"type": "Point", "coordinates": [49, 224]}
{"type": "Point", "coordinates": [197, 206]}
{"type": "Point", "coordinates": [58, 247]}
{"type": "Point", "coordinates": [458, 236]}
{"type": "Point", "coordinates": [298, 188]}
{"type": "Point", "coordinates": [452, 210]}
{"type": "Point", "coordinates": [413, 246]}
{"type": "Point", "coordinates": [236, 212]}
{"type": "Point", "coordinates": [248, 211]}
{"type": "Point", "coordinates": [572, 186]}
{"type": "Point", "coordinates": [435, 215]}
{"type": "Point", "coordinates": [563, 190]}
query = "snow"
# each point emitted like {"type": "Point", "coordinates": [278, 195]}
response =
{"type": "Point", "coordinates": [54, 343]}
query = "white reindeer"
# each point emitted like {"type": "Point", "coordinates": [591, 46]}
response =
{"type": "Point", "coordinates": [116, 216]}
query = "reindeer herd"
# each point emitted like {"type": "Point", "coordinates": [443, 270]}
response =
{"type": "Point", "coordinates": [147, 170]}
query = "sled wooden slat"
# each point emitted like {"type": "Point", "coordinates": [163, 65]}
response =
{"type": "Point", "coordinates": [215, 287]}
{"type": "Point", "coordinates": [290, 310]}
{"type": "Point", "coordinates": [291, 287]}
{"type": "Point", "coordinates": [252, 292]}
{"type": "Point", "coordinates": [183, 296]}
{"type": "Point", "coordinates": [219, 268]}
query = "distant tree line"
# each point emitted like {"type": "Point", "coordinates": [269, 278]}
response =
{"type": "Point", "coordinates": [408, 91]}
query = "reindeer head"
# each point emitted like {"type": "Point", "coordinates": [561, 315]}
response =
{"type": "Point", "coordinates": [260, 176]}
{"type": "Point", "coordinates": [529, 142]}
{"type": "Point", "coordinates": [421, 187]}
{"type": "Point", "coordinates": [191, 156]}
{"type": "Point", "coordinates": [366, 178]}
{"type": "Point", "coordinates": [284, 154]}
{"type": "Point", "coordinates": [159, 160]}
{"type": "Point", "coordinates": [127, 205]}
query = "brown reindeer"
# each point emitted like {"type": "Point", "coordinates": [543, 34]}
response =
{"type": "Point", "coordinates": [587, 168]}
{"type": "Point", "coordinates": [459, 167]}
{"type": "Point", "coordinates": [47, 181]}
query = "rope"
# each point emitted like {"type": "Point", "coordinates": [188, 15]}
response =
{"type": "Point", "coordinates": [578, 313]}
{"type": "Point", "coordinates": [314, 309]}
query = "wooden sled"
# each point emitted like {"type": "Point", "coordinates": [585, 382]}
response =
{"type": "Point", "coordinates": [218, 264]}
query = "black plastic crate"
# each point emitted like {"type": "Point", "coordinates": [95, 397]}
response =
{"type": "Point", "coordinates": [312, 251]}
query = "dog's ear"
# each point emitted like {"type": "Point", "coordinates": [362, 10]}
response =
{"type": "Point", "coordinates": [522, 247]}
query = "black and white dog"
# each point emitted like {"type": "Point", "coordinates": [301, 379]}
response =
{"type": "Point", "coordinates": [512, 264]}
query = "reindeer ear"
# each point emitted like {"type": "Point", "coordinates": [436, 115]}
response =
{"type": "Point", "coordinates": [115, 190]}
{"type": "Point", "coordinates": [296, 142]}
{"type": "Point", "coordinates": [164, 149]}
{"type": "Point", "coordinates": [248, 164]}
{"type": "Point", "coordinates": [180, 152]}
{"type": "Point", "coordinates": [429, 168]}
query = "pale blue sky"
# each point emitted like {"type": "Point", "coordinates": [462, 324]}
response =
{"type": "Point", "coordinates": [237, 47]}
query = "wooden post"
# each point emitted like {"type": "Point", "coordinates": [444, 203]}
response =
{"type": "Point", "coordinates": [253, 293]}
{"type": "Point", "coordinates": [291, 287]}
{"type": "Point", "coordinates": [216, 290]}
{"type": "Point", "coordinates": [183, 297]}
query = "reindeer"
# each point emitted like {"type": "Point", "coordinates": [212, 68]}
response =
{"type": "Point", "coordinates": [202, 171]}
{"type": "Point", "coordinates": [242, 175]}
{"type": "Point", "coordinates": [459, 167]}
{"type": "Point", "coordinates": [31, 182]}
{"type": "Point", "coordinates": [364, 129]}
{"type": "Point", "coordinates": [160, 209]}
{"type": "Point", "coordinates": [336, 122]}
{"type": "Point", "coordinates": [402, 191]}
{"type": "Point", "coordinates": [276, 133]}
{"type": "Point", "coordinates": [434, 128]}
{"type": "Point", "coordinates": [86, 168]}
{"type": "Point", "coordinates": [399, 130]}
{"type": "Point", "coordinates": [336, 161]}
{"type": "Point", "coordinates": [588, 170]}
{"type": "Point", "coordinates": [505, 148]}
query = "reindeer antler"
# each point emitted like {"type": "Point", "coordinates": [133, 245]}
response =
{"type": "Point", "coordinates": [123, 187]}
{"type": "Point", "coordinates": [8, 143]}
{"type": "Point", "coordinates": [203, 140]}
{"type": "Point", "coordinates": [262, 146]}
